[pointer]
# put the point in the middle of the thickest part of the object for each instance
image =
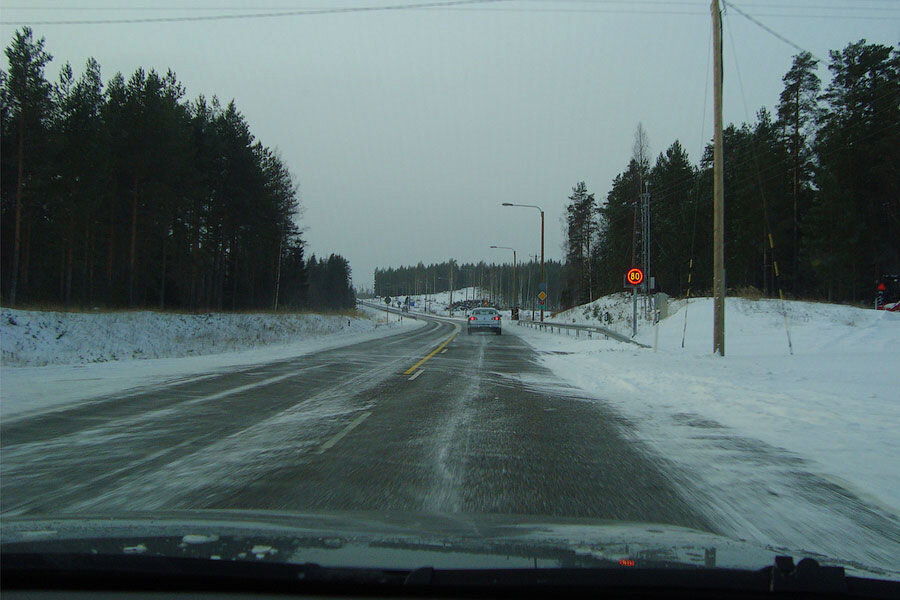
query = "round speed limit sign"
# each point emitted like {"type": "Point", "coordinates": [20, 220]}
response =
{"type": "Point", "coordinates": [634, 276]}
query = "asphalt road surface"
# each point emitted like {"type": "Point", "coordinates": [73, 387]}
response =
{"type": "Point", "coordinates": [429, 420]}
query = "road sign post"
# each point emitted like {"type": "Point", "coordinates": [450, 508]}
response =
{"type": "Point", "coordinates": [634, 311]}
{"type": "Point", "coordinates": [542, 297]}
{"type": "Point", "coordinates": [634, 277]}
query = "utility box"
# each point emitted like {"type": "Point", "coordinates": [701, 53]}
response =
{"type": "Point", "coordinates": [661, 299]}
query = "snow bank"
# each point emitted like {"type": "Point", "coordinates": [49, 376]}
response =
{"type": "Point", "coordinates": [751, 427]}
{"type": "Point", "coordinates": [753, 327]}
{"type": "Point", "coordinates": [439, 303]}
{"type": "Point", "coordinates": [192, 354]}
{"type": "Point", "coordinates": [34, 338]}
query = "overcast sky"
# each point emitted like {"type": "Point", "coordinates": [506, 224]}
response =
{"type": "Point", "coordinates": [406, 129]}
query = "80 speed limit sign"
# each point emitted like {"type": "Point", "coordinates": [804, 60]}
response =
{"type": "Point", "coordinates": [634, 276]}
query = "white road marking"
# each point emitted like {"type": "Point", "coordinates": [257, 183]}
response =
{"type": "Point", "coordinates": [419, 372]}
{"type": "Point", "coordinates": [353, 425]}
{"type": "Point", "coordinates": [443, 351]}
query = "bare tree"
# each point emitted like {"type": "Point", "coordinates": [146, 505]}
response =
{"type": "Point", "coordinates": [640, 154]}
{"type": "Point", "coordinates": [640, 150]}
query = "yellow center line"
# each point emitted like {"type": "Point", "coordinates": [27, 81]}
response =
{"type": "Point", "coordinates": [432, 353]}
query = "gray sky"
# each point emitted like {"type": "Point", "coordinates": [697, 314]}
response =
{"type": "Point", "coordinates": [407, 129]}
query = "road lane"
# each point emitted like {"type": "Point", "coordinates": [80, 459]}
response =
{"type": "Point", "coordinates": [425, 421]}
{"type": "Point", "coordinates": [50, 461]}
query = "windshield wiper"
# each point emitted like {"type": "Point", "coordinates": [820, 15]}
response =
{"type": "Point", "coordinates": [141, 572]}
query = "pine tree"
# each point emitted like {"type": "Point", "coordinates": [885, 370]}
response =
{"type": "Point", "coordinates": [798, 110]}
{"type": "Point", "coordinates": [673, 182]}
{"type": "Point", "coordinates": [580, 227]}
{"type": "Point", "coordinates": [856, 216]}
{"type": "Point", "coordinates": [28, 94]}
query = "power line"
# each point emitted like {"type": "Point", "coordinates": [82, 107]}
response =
{"type": "Point", "coordinates": [768, 29]}
{"type": "Point", "coordinates": [258, 15]}
{"type": "Point", "coordinates": [689, 12]}
{"type": "Point", "coordinates": [696, 198]}
{"type": "Point", "coordinates": [765, 206]}
{"type": "Point", "coordinates": [681, 8]}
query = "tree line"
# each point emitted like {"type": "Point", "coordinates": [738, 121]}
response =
{"type": "Point", "coordinates": [495, 281]}
{"type": "Point", "coordinates": [126, 193]}
{"type": "Point", "coordinates": [814, 188]}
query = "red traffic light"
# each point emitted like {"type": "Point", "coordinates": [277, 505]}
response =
{"type": "Point", "coordinates": [634, 276]}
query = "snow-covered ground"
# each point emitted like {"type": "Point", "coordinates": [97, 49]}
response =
{"type": "Point", "coordinates": [38, 338]}
{"type": "Point", "coordinates": [613, 311]}
{"type": "Point", "coordinates": [52, 359]}
{"type": "Point", "coordinates": [439, 303]}
{"type": "Point", "coordinates": [759, 421]}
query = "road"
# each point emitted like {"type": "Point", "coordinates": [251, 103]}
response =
{"type": "Point", "coordinates": [427, 420]}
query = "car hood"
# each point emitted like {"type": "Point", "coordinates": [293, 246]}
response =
{"type": "Point", "coordinates": [388, 540]}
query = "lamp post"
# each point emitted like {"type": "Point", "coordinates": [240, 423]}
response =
{"type": "Point", "coordinates": [515, 290]}
{"type": "Point", "coordinates": [543, 285]}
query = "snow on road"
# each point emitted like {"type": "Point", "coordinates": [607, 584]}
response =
{"type": "Point", "coordinates": [53, 359]}
{"type": "Point", "coordinates": [767, 433]}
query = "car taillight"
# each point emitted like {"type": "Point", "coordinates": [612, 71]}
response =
{"type": "Point", "coordinates": [496, 318]}
{"type": "Point", "coordinates": [471, 318]}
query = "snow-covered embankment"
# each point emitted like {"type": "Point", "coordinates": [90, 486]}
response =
{"type": "Point", "coordinates": [54, 358]}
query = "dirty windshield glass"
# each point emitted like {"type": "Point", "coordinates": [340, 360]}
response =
{"type": "Point", "coordinates": [242, 246]}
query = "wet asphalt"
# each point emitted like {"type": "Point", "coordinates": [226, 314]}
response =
{"type": "Point", "coordinates": [479, 427]}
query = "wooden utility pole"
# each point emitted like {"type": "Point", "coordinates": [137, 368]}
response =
{"type": "Point", "coordinates": [718, 191]}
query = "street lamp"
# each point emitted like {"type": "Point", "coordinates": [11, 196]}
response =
{"type": "Point", "coordinates": [515, 290]}
{"type": "Point", "coordinates": [543, 285]}
{"type": "Point", "coordinates": [434, 280]}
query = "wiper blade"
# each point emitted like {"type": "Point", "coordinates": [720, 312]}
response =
{"type": "Point", "coordinates": [806, 576]}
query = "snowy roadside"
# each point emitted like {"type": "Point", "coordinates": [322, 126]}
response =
{"type": "Point", "coordinates": [767, 433]}
{"type": "Point", "coordinates": [39, 338]}
{"type": "Point", "coordinates": [176, 348]}
{"type": "Point", "coordinates": [438, 304]}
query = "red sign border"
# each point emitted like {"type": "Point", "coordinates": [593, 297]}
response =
{"type": "Point", "coordinates": [629, 272]}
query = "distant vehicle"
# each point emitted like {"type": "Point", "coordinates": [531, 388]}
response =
{"type": "Point", "coordinates": [484, 318]}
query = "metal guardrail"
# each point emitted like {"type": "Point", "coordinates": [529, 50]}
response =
{"type": "Point", "coordinates": [395, 311]}
{"type": "Point", "coordinates": [542, 325]}
{"type": "Point", "coordinates": [589, 329]}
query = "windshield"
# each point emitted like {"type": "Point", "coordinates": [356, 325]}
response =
{"type": "Point", "coordinates": [243, 247]}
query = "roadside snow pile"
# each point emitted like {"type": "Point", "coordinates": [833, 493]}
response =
{"type": "Point", "coordinates": [615, 309]}
{"type": "Point", "coordinates": [755, 427]}
{"type": "Point", "coordinates": [213, 347]}
{"type": "Point", "coordinates": [752, 327]}
{"type": "Point", "coordinates": [35, 338]}
{"type": "Point", "coordinates": [439, 303]}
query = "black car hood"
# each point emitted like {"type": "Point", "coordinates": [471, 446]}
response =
{"type": "Point", "coordinates": [389, 540]}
